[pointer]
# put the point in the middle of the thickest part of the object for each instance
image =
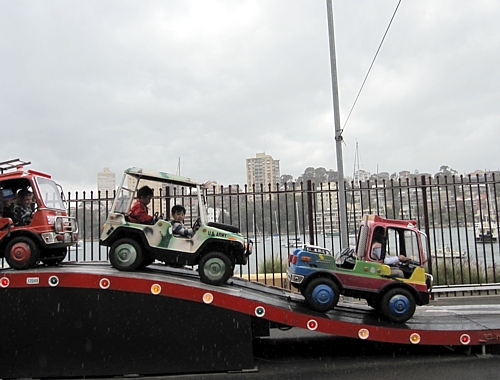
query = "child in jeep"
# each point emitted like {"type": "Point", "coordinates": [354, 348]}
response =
{"type": "Point", "coordinates": [139, 211]}
{"type": "Point", "coordinates": [178, 227]}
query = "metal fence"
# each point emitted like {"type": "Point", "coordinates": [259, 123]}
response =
{"type": "Point", "coordinates": [458, 214]}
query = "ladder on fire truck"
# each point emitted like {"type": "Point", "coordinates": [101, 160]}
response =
{"type": "Point", "coordinates": [12, 164]}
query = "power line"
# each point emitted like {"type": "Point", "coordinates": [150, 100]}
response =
{"type": "Point", "coordinates": [373, 61]}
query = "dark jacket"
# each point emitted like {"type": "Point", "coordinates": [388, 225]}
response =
{"type": "Point", "coordinates": [20, 215]}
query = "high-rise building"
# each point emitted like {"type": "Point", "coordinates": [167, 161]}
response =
{"type": "Point", "coordinates": [106, 182]}
{"type": "Point", "coordinates": [262, 170]}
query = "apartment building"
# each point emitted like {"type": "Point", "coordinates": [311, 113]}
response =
{"type": "Point", "coordinates": [106, 181]}
{"type": "Point", "coordinates": [262, 170]}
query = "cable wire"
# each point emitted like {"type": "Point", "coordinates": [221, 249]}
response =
{"type": "Point", "coordinates": [373, 61]}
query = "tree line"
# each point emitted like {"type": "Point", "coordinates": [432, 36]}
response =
{"type": "Point", "coordinates": [322, 175]}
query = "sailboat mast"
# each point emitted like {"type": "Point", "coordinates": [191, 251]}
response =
{"type": "Point", "coordinates": [355, 174]}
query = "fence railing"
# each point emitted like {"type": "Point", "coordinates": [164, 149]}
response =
{"type": "Point", "coordinates": [458, 214]}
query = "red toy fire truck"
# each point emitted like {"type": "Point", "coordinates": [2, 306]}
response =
{"type": "Point", "coordinates": [46, 232]}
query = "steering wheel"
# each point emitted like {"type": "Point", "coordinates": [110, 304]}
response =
{"type": "Point", "coordinates": [346, 252]}
{"type": "Point", "coordinates": [155, 217]}
{"type": "Point", "coordinates": [409, 263]}
{"type": "Point", "coordinates": [197, 224]}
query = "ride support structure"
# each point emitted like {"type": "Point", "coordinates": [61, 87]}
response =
{"type": "Point", "coordinates": [88, 319]}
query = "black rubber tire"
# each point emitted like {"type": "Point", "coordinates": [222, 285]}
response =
{"type": "Point", "coordinates": [215, 268]}
{"type": "Point", "coordinates": [52, 262]}
{"type": "Point", "coordinates": [321, 294]}
{"type": "Point", "coordinates": [21, 253]}
{"type": "Point", "coordinates": [147, 260]}
{"type": "Point", "coordinates": [125, 255]}
{"type": "Point", "coordinates": [397, 305]}
{"type": "Point", "coordinates": [375, 304]}
{"type": "Point", "coordinates": [61, 255]}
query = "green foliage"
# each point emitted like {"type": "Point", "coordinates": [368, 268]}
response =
{"type": "Point", "coordinates": [318, 175]}
{"type": "Point", "coordinates": [456, 272]}
{"type": "Point", "coordinates": [273, 266]}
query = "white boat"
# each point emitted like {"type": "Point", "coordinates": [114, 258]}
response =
{"type": "Point", "coordinates": [333, 232]}
{"type": "Point", "coordinates": [486, 231]}
{"type": "Point", "coordinates": [448, 253]}
{"type": "Point", "coordinates": [292, 243]}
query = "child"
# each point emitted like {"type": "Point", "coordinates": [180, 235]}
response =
{"type": "Point", "coordinates": [21, 212]}
{"type": "Point", "coordinates": [139, 211]}
{"type": "Point", "coordinates": [6, 199]}
{"type": "Point", "coordinates": [178, 227]}
{"type": "Point", "coordinates": [392, 261]}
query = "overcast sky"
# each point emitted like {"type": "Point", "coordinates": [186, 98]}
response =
{"type": "Point", "coordinates": [91, 84]}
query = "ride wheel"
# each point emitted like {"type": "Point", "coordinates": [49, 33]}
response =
{"type": "Point", "coordinates": [398, 305]}
{"type": "Point", "coordinates": [21, 253]}
{"type": "Point", "coordinates": [215, 268]}
{"type": "Point", "coordinates": [321, 294]}
{"type": "Point", "coordinates": [126, 255]}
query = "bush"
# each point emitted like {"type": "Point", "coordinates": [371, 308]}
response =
{"type": "Point", "coordinates": [273, 266]}
{"type": "Point", "coordinates": [457, 273]}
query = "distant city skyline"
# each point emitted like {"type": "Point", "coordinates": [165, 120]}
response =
{"type": "Point", "coordinates": [264, 163]}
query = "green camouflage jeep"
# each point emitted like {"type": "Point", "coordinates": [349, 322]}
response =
{"type": "Point", "coordinates": [215, 248]}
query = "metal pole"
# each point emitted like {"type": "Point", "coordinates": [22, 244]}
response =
{"type": "Point", "coordinates": [310, 213]}
{"type": "Point", "coordinates": [344, 232]}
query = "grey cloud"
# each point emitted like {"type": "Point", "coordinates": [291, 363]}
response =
{"type": "Point", "coordinates": [143, 83]}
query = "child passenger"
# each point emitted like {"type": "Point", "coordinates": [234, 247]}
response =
{"type": "Point", "coordinates": [6, 200]}
{"type": "Point", "coordinates": [139, 211]}
{"type": "Point", "coordinates": [178, 226]}
{"type": "Point", "coordinates": [21, 212]}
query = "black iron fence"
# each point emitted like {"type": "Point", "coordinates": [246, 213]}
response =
{"type": "Point", "coordinates": [458, 214]}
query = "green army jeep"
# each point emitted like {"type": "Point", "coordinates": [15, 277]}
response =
{"type": "Point", "coordinates": [215, 248]}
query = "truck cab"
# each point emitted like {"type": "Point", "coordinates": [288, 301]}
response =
{"type": "Point", "coordinates": [395, 238]}
{"type": "Point", "coordinates": [392, 290]}
{"type": "Point", "coordinates": [47, 232]}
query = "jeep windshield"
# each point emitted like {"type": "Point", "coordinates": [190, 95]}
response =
{"type": "Point", "coordinates": [50, 194]}
{"type": "Point", "coordinates": [133, 178]}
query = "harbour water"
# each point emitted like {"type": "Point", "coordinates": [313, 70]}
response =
{"type": "Point", "coordinates": [274, 249]}
{"type": "Point", "coordinates": [456, 239]}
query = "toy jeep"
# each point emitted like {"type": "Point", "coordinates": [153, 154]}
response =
{"type": "Point", "coordinates": [216, 248]}
{"type": "Point", "coordinates": [49, 230]}
{"type": "Point", "coordinates": [321, 277]}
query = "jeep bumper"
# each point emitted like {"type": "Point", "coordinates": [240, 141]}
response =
{"type": "Point", "coordinates": [295, 279]}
